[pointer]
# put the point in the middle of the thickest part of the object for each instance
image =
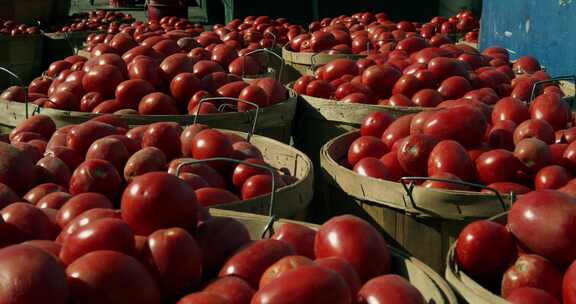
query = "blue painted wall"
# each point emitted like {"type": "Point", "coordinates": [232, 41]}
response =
{"type": "Point", "coordinates": [545, 29]}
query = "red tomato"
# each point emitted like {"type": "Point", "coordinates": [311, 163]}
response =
{"type": "Point", "coordinates": [533, 153]}
{"type": "Point", "coordinates": [464, 124]}
{"type": "Point", "coordinates": [306, 284]}
{"type": "Point", "coordinates": [251, 262]}
{"type": "Point", "coordinates": [534, 128]}
{"type": "Point", "coordinates": [528, 220]}
{"type": "Point", "coordinates": [144, 205]}
{"type": "Point", "coordinates": [552, 109]}
{"type": "Point", "coordinates": [529, 295]}
{"type": "Point", "coordinates": [40, 278]}
{"type": "Point", "coordinates": [390, 288]}
{"type": "Point", "coordinates": [343, 268]}
{"type": "Point", "coordinates": [365, 146]}
{"type": "Point", "coordinates": [96, 175]}
{"type": "Point", "coordinates": [475, 257]}
{"type": "Point", "coordinates": [354, 240]}
{"type": "Point", "coordinates": [532, 270]}
{"type": "Point", "coordinates": [552, 177]}
{"type": "Point", "coordinates": [497, 166]}
{"type": "Point", "coordinates": [449, 156]}
{"type": "Point", "coordinates": [102, 234]}
{"type": "Point", "coordinates": [400, 128]}
{"type": "Point", "coordinates": [282, 266]}
{"type": "Point", "coordinates": [94, 278]}
{"type": "Point", "coordinates": [175, 260]}
{"type": "Point", "coordinates": [233, 289]}
{"type": "Point", "coordinates": [413, 153]}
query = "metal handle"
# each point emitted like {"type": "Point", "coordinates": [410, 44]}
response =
{"type": "Point", "coordinates": [269, 52]}
{"type": "Point", "coordinates": [313, 65]}
{"type": "Point", "coordinates": [269, 228]}
{"type": "Point", "coordinates": [552, 80]}
{"type": "Point", "coordinates": [409, 188]}
{"type": "Point", "coordinates": [254, 122]}
{"type": "Point", "coordinates": [274, 39]}
{"type": "Point", "coordinates": [22, 85]}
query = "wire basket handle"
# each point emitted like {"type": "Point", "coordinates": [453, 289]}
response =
{"type": "Point", "coordinates": [408, 183]}
{"type": "Point", "coordinates": [254, 122]}
{"type": "Point", "coordinates": [269, 228]}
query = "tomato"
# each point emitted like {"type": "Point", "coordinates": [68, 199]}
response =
{"type": "Point", "coordinates": [533, 153]}
{"type": "Point", "coordinates": [300, 237]}
{"type": "Point", "coordinates": [175, 259]}
{"type": "Point", "coordinates": [532, 270]}
{"type": "Point", "coordinates": [427, 98]}
{"type": "Point", "coordinates": [529, 295]}
{"type": "Point", "coordinates": [344, 269]}
{"type": "Point", "coordinates": [164, 136]}
{"type": "Point", "coordinates": [144, 205]}
{"type": "Point", "coordinates": [552, 177]}
{"type": "Point", "coordinates": [365, 146]}
{"type": "Point", "coordinates": [449, 156]}
{"type": "Point", "coordinates": [454, 87]}
{"type": "Point", "coordinates": [282, 266]}
{"type": "Point", "coordinates": [96, 276]}
{"type": "Point", "coordinates": [528, 220]}
{"type": "Point", "coordinates": [475, 255]}
{"type": "Point", "coordinates": [210, 196]}
{"type": "Point", "coordinates": [464, 124]}
{"type": "Point", "coordinates": [390, 288]}
{"type": "Point", "coordinates": [534, 128]}
{"type": "Point", "coordinates": [53, 200]}
{"type": "Point", "coordinates": [31, 275]}
{"type": "Point", "coordinates": [501, 135]}
{"type": "Point", "coordinates": [233, 289]}
{"type": "Point", "coordinates": [109, 149]}
{"type": "Point", "coordinates": [354, 240]}
{"type": "Point", "coordinates": [38, 192]}
{"type": "Point", "coordinates": [413, 153]}
{"type": "Point", "coordinates": [102, 234]}
{"type": "Point", "coordinates": [102, 79]}
{"type": "Point", "coordinates": [338, 68]}
{"type": "Point", "coordinates": [497, 166]}
{"type": "Point", "coordinates": [203, 298]}
{"type": "Point", "coordinates": [306, 284]}
{"type": "Point", "coordinates": [400, 128]}
{"type": "Point", "coordinates": [219, 238]}
{"type": "Point", "coordinates": [251, 262]}
{"type": "Point", "coordinates": [96, 175]}
{"type": "Point", "coordinates": [380, 79]}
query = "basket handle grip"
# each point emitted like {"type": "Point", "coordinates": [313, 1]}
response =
{"type": "Point", "coordinates": [269, 228]}
{"type": "Point", "coordinates": [551, 80]}
{"type": "Point", "coordinates": [254, 121]}
{"type": "Point", "coordinates": [267, 51]}
{"type": "Point", "coordinates": [408, 184]}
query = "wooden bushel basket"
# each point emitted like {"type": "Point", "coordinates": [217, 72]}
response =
{"type": "Point", "coordinates": [466, 287]}
{"type": "Point", "coordinates": [287, 202]}
{"type": "Point", "coordinates": [423, 221]}
{"type": "Point", "coordinates": [434, 289]}
{"type": "Point", "coordinates": [274, 121]}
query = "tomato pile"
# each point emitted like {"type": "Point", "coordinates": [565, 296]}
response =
{"type": "Point", "coordinates": [534, 259]}
{"type": "Point", "coordinates": [93, 21]}
{"type": "Point", "coordinates": [509, 146]}
{"type": "Point", "coordinates": [103, 156]}
{"type": "Point", "coordinates": [90, 234]}
{"type": "Point", "coordinates": [165, 74]}
{"type": "Point", "coordinates": [425, 76]}
{"type": "Point", "coordinates": [12, 28]}
{"type": "Point", "coordinates": [367, 33]}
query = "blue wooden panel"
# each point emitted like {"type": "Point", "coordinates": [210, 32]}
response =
{"type": "Point", "coordinates": [545, 29]}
